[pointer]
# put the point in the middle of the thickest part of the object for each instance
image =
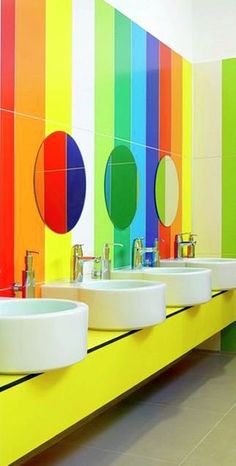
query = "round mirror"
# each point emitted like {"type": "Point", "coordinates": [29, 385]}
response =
{"type": "Point", "coordinates": [59, 182]}
{"type": "Point", "coordinates": [121, 187]}
{"type": "Point", "coordinates": [167, 190]}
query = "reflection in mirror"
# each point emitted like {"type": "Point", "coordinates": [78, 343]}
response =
{"type": "Point", "coordinates": [167, 190]}
{"type": "Point", "coordinates": [121, 187]}
{"type": "Point", "coordinates": [59, 182]}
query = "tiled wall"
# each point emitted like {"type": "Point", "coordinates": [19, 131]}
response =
{"type": "Point", "coordinates": [101, 78]}
{"type": "Point", "coordinates": [214, 165]}
{"type": "Point", "coordinates": [143, 100]}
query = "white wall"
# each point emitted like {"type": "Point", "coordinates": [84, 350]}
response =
{"type": "Point", "coordinates": [200, 30]}
{"type": "Point", "coordinates": [214, 29]}
{"type": "Point", "coordinates": [168, 20]}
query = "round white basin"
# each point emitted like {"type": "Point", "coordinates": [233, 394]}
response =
{"type": "Point", "coordinates": [38, 335]}
{"type": "Point", "coordinates": [223, 269]}
{"type": "Point", "coordinates": [185, 287]}
{"type": "Point", "coordinates": [116, 304]}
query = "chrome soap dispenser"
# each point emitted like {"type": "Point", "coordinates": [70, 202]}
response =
{"type": "Point", "coordinates": [106, 261]}
{"type": "Point", "coordinates": [28, 277]}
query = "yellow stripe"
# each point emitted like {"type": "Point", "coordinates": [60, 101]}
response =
{"type": "Point", "coordinates": [187, 148]}
{"type": "Point", "coordinates": [58, 113]}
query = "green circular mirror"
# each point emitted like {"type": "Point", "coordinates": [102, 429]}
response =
{"type": "Point", "coordinates": [121, 187]}
{"type": "Point", "coordinates": [167, 190]}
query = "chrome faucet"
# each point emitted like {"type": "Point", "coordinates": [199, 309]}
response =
{"type": "Point", "coordinates": [139, 251]}
{"type": "Point", "coordinates": [184, 248]}
{"type": "Point", "coordinates": [28, 277]}
{"type": "Point", "coordinates": [106, 261]}
{"type": "Point", "coordinates": [77, 263]}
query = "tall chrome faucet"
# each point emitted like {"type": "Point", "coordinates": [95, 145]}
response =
{"type": "Point", "coordinates": [139, 251]}
{"type": "Point", "coordinates": [77, 263]}
{"type": "Point", "coordinates": [184, 248]}
{"type": "Point", "coordinates": [27, 287]}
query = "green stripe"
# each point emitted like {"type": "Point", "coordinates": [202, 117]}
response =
{"type": "Point", "coordinates": [104, 116]}
{"type": "Point", "coordinates": [228, 157]}
{"type": "Point", "coordinates": [122, 114]}
{"type": "Point", "coordinates": [228, 338]}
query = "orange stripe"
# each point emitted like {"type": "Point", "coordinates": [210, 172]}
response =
{"type": "Point", "coordinates": [165, 128]}
{"type": "Point", "coordinates": [176, 136]}
{"type": "Point", "coordinates": [29, 132]}
{"type": "Point", "coordinates": [30, 57]}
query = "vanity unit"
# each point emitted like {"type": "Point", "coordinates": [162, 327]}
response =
{"type": "Point", "coordinates": [116, 363]}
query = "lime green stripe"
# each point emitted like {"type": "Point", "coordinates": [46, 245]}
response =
{"type": "Point", "coordinates": [104, 116]}
{"type": "Point", "coordinates": [122, 113]}
{"type": "Point", "coordinates": [228, 157]}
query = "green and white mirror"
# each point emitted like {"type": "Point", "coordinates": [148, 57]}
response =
{"type": "Point", "coordinates": [167, 190]}
{"type": "Point", "coordinates": [121, 186]}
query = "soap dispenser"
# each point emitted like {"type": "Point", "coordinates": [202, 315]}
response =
{"type": "Point", "coordinates": [106, 262]}
{"type": "Point", "coordinates": [28, 276]}
{"type": "Point", "coordinates": [27, 287]}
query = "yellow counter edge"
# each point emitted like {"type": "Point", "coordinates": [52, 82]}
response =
{"type": "Point", "coordinates": [37, 410]}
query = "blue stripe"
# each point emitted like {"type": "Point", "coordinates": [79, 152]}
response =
{"type": "Point", "coordinates": [138, 125]}
{"type": "Point", "coordinates": [152, 136]}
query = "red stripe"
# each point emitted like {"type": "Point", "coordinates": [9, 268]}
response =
{"type": "Point", "coordinates": [7, 53]}
{"type": "Point", "coordinates": [165, 128]}
{"type": "Point", "coordinates": [7, 146]}
{"type": "Point", "coordinates": [55, 181]}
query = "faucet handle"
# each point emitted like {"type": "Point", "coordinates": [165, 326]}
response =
{"type": "Point", "coordinates": [106, 249]}
{"type": "Point", "coordinates": [77, 250]}
{"type": "Point", "coordinates": [158, 240]}
{"type": "Point", "coordinates": [138, 243]}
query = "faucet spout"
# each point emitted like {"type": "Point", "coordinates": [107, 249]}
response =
{"type": "Point", "coordinates": [184, 248]}
{"type": "Point", "coordinates": [139, 251]}
{"type": "Point", "coordinates": [77, 263]}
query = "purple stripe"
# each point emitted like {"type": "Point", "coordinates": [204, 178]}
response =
{"type": "Point", "coordinates": [152, 137]}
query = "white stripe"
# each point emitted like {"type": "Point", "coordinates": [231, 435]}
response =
{"type": "Point", "coordinates": [83, 111]}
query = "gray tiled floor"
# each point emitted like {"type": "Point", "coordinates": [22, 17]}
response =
{"type": "Point", "coordinates": [186, 416]}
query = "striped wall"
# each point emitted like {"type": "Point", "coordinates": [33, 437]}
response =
{"type": "Point", "coordinates": [105, 81]}
{"type": "Point", "coordinates": [143, 101]}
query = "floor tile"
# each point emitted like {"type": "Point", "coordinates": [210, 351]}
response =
{"type": "Point", "coordinates": [73, 455]}
{"type": "Point", "coordinates": [219, 447]}
{"type": "Point", "coordinates": [207, 364]}
{"type": "Point", "coordinates": [190, 390]}
{"type": "Point", "coordinates": [178, 418]}
{"type": "Point", "coordinates": [149, 430]}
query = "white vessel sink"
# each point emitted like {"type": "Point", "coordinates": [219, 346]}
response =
{"type": "Point", "coordinates": [184, 287]}
{"type": "Point", "coordinates": [223, 270]}
{"type": "Point", "coordinates": [116, 304]}
{"type": "Point", "coordinates": [38, 335]}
